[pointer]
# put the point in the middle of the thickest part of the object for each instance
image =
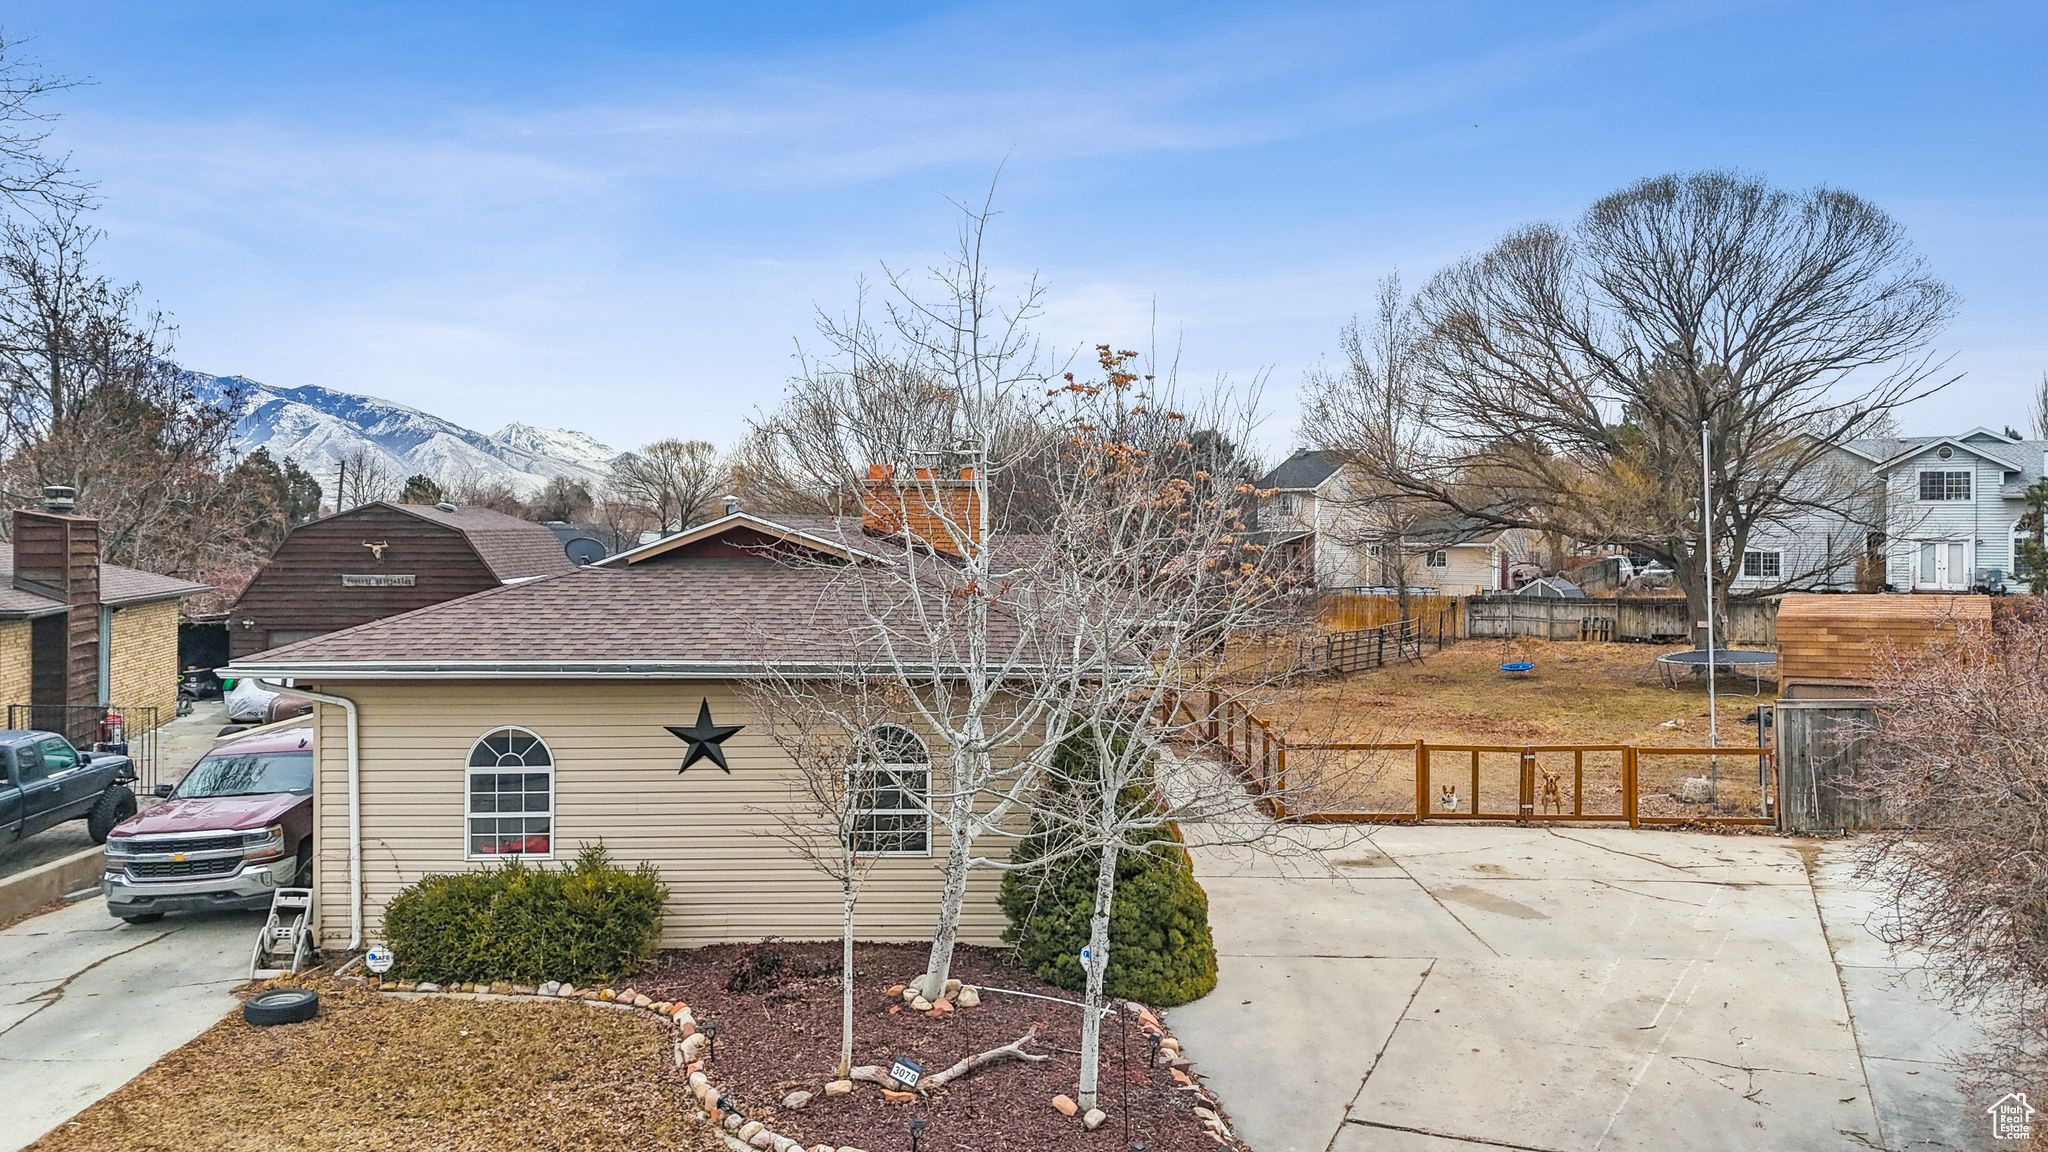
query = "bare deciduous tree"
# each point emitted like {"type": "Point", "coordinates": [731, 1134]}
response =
{"type": "Point", "coordinates": [31, 178]}
{"type": "Point", "coordinates": [1375, 408]}
{"type": "Point", "coordinates": [2037, 408]}
{"type": "Point", "coordinates": [832, 745]}
{"type": "Point", "coordinates": [992, 643]}
{"type": "Point", "coordinates": [92, 400]}
{"type": "Point", "coordinates": [364, 476]}
{"type": "Point", "coordinates": [1571, 370]}
{"type": "Point", "coordinates": [1957, 760]}
{"type": "Point", "coordinates": [562, 499]}
{"type": "Point", "coordinates": [675, 479]}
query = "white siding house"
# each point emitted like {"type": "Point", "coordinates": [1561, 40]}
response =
{"type": "Point", "coordinates": [1314, 506]}
{"type": "Point", "coordinates": [1954, 505]}
{"type": "Point", "coordinates": [1935, 514]}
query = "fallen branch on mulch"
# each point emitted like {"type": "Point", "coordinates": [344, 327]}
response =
{"type": "Point", "coordinates": [1014, 1050]}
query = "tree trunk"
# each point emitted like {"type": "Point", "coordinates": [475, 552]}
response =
{"type": "Point", "coordinates": [1096, 969]}
{"type": "Point", "coordinates": [845, 1064]}
{"type": "Point", "coordinates": [959, 844]}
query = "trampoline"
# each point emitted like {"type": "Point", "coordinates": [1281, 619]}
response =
{"type": "Point", "coordinates": [1750, 661]}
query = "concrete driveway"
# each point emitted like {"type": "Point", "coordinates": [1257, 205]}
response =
{"type": "Point", "coordinates": [87, 1002]}
{"type": "Point", "coordinates": [1571, 990]}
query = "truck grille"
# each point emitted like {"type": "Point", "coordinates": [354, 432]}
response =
{"type": "Point", "coordinates": [231, 842]}
{"type": "Point", "coordinates": [183, 869]}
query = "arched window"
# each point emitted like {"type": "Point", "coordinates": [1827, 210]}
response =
{"type": "Point", "coordinates": [511, 795]}
{"type": "Point", "coordinates": [892, 782]}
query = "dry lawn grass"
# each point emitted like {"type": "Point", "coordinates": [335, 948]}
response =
{"type": "Point", "coordinates": [1579, 693]}
{"type": "Point", "coordinates": [373, 1072]}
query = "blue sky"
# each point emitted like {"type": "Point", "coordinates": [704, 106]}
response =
{"type": "Point", "coordinates": [620, 217]}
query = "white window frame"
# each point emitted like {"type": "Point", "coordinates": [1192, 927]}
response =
{"type": "Point", "coordinates": [909, 819]}
{"type": "Point", "coordinates": [1920, 486]}
{"type": "Point", "coordinates": [1777, 565]}
{"type": "Point", "coordinates": [1437, 558]}
{"type": "Point", "coordinates": [1288, 503]}
{"type": "Point", "coordinates": [470, 814]}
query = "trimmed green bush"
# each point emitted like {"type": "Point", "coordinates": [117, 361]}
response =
{"type": "Point", "coordinates": [588, 922]}
{"type": "Point", "coordinates": [1160, 949]}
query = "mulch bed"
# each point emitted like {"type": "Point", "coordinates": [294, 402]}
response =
{"type": "Point", "coordinates": [373, 1072]}
{"type": "Point", "coordinates": [776, 1039]}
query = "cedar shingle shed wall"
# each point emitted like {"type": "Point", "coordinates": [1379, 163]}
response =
{"type": "Point", "coordinates": [1842, 640]}
{"type": "Point", "coordinates": [447, 555]}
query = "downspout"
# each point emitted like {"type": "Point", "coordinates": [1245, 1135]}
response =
{"type": "Point", "coordinates": [355, 804]}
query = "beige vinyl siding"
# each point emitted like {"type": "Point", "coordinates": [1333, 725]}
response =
{"type": "Point", "coordinates": [731, 878]}
{"type": "Point", "coordinates": [1469, 570]}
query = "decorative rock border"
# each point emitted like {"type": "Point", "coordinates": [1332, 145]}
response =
{"type": "Point", "coordinates": [692, 1047]}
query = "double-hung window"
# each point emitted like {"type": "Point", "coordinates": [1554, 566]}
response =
{"type": "Point", "coordinates": [1945, 485]}
{"type": "Point", "coordinates": [892, 779]}
{"type": "Point", "coordinates": [1437, 559]}
{"type": "Point", "coordinates": [1763, 565]}
{"type": "Point", "coordinates": [511, 806]}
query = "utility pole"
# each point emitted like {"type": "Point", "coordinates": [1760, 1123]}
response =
{"type": "Point", "coordinates": [1707, 570]}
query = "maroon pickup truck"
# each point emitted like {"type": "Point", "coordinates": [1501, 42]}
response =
{"type": "Point", "coordinates": [236, 829]}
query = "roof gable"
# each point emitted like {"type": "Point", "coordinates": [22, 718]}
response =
{"type": "Point", "coordinates": [1306, 470]}
{"type": "Point", "coordinates": [509, 547]}
{"type": "Point", "coordinates": [746, 532]}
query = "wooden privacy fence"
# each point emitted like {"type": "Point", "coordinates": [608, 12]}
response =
{"type": "Point", "coordinates": [1365, 782]}
{"type": "Point", "coordinates": [1363, 648]}
{"type": "Point", "coordinates": [1658, 619]}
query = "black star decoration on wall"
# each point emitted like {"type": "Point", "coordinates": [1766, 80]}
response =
{"type": "Point", "coordinates": [704, 739]}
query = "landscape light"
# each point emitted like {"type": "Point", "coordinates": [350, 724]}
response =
{"type": "Point", "coordinates": [1154, 1039]}
{"type": "Point", "coordinates": [916, 1132]}
{"type": "Point", "coordinates": [710, 1029]}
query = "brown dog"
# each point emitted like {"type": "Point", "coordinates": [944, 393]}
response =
{"type": "Point", "coordinates": [1553, 791]}
{"type": "Point", "coordinates": [1447, 798]}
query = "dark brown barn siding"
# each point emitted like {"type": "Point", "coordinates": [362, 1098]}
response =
{"type": "Point", "coordinates": [301, 591]}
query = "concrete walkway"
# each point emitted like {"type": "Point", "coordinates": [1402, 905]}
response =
{"type": "Point", "coordinates": [87, 1002]}
{"type": "Point", "coordinates": [1572, 990]}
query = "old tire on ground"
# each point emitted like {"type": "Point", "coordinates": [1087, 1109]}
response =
{"type": "Point", "coordinates": [114, 805]}
{"type": "Point", "coordinates": [281, 1006]}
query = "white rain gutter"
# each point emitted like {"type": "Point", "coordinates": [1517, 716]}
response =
{"type": "Point", "coordinates": [355, 804]}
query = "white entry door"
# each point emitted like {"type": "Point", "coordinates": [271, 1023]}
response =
{"type": "Point", "coordinates": [1942, 565]}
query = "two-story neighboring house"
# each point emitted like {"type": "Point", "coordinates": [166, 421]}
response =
{"type": "Point", "coordinates": [1315, 514]}
{"type": "Point", "coordinates": [1953, 505]}
{"type": "Point", "coordinates": [1908, 514]}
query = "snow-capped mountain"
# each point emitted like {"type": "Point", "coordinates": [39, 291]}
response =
{"type": "Point", "coordinates": [318, 427]}
{"type": "Point", "coordinates": [558, 444]}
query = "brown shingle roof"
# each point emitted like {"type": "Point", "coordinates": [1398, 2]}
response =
{"type": "Point", "coordinates": [707, 617]}
{"type": "Point", "coordinates": [512, 548]}
{"type": "Point", "coordinates": [118, 586]}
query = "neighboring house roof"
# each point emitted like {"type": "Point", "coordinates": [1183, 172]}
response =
{"type": "Point", "coordinates": [1552, 587]}
{"type": "Point", "coordinates": [119, 588]}
{"type": "Point", "coordinates": [1304, 471]}
{"type": "Point", "coordinates": [710, 617]}
{"type": "Point", "coordinates": [694, 616]}
{"type": "Point", "coordinates": [512, 548]}
{"type": "Point", "coordinates": [823, 533]}
{"type": "Point", "coordinates": [1451, 530]}
{"type": "Point", "coordinates": [2021, 456]}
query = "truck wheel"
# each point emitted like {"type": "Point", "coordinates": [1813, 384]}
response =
{"type": "Point", "coordinates": [302, 876]}
{"type": "Point", "coordinates": [114, 805]}
{"type": "Point", "coordinates": [281, 1006]}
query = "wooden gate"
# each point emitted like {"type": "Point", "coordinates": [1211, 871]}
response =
{"type": "Point", "coordinates": [1820, 748]}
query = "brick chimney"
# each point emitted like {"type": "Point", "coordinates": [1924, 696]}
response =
{"type": "Point", "coordinates": [931, 508]}
{"type": "Point", "coordinates": [57, 557]}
